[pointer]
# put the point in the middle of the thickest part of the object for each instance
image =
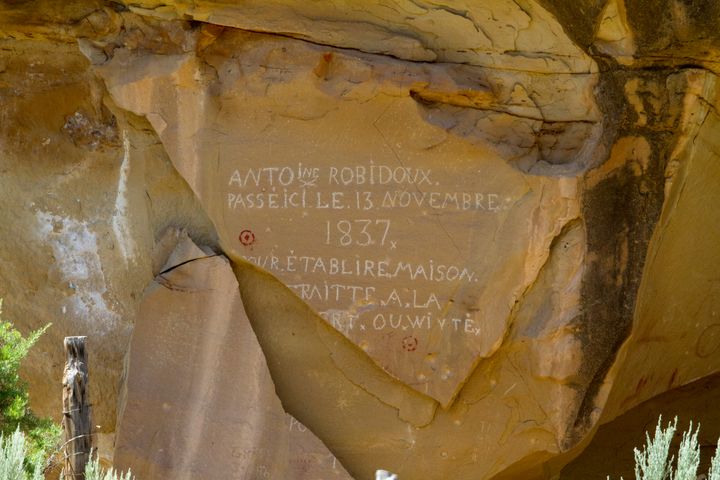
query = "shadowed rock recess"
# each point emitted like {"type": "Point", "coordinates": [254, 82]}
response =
{"type": "Point", "coordinates": [309, 240]}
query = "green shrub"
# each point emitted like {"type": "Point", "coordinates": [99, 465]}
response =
{"type": "Point", "coordinates": [652, 463]}
{"type": "Point", "coordinates": [41, 434]}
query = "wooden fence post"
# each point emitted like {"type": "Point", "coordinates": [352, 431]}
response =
{"type": "Point", "coordinates": [76, 409]}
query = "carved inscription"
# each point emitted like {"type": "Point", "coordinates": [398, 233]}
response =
{"type": "Point", "coordinates": [413, 243]}
{"type": "Point", "coordinates": [361, 269]}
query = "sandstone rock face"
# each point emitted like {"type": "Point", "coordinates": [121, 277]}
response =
{"type": "Point", "coordinates": [675, 340]}
{"type": "Point", "coordinates": [223, 416]}
{"type": "Point", "coordinates": [464, 235]}
{"type": "Point", "coordinates": [412, 241]}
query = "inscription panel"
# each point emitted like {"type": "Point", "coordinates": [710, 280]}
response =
{"type": "Point", "coordinates": [413, 243]}
{"type": "Point", "coordinates": [371, 249]}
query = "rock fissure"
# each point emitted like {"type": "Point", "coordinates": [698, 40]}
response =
{"type": "Point", "coordinates": [169, 269]}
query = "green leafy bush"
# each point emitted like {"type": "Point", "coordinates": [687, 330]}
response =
{"type": "Point", "coordinates": [652, 462]}
{"type": "Point", "coordinates": [41, 434]}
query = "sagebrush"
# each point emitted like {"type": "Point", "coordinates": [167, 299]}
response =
{"type": "Point", "coordinates": [14, 461]}
{"type": "Point", "coordinates": [93, 471]}
{"type": "Point", "coordinates": [652, 462]}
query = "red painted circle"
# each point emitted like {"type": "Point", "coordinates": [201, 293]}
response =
{"type": "Point", "coordinates": [247, 237]}
{"type": "Point", "coordinates": [409, 344]}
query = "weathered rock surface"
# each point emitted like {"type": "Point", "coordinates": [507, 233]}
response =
{"type": "Point", "coordinates": [676, 336]}
{"type": "Point", "coordinates": [518, 34]}
{"type": "Point", "coordinates": [484, 230]}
